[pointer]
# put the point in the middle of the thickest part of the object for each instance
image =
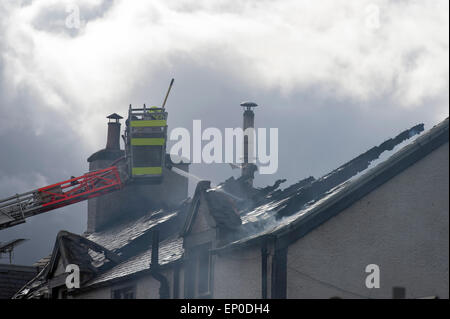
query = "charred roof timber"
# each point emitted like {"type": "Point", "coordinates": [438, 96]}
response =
{"type": "Point", "coordinates": [317, 188]}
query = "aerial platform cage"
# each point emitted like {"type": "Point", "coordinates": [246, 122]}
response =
{"type": "Point", "coordinates": [145, 143]}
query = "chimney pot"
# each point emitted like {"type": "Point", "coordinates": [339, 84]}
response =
{"type": "Point", "coordinates": [113, 140]}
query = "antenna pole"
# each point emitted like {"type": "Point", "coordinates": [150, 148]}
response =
{"type": "Point", "coordinates": [168, 91]}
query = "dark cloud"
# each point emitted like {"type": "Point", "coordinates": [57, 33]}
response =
{"type": "Point", "coordinates": [38, 148]}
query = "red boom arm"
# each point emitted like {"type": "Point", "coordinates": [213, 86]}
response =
{"type": "Point", "coordinates": [15, 209]}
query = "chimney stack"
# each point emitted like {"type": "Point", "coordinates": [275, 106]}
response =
{"type": "Point", "coordinates": [113, 141]}
{"type": "Point", "coordinates": [133, 200]}
{"type": "Point", "coordinates": [248, 168]}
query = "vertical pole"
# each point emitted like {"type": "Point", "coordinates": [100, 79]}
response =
{"type": "Point", "coordinates": [264, 256]}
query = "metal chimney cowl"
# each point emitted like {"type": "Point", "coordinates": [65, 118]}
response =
{"type": "Point", "coordinates": [113, 139]}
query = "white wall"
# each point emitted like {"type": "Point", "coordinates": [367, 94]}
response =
{"type": "Point", "coordinates": [237, 274]}
{"type": "Point", "coordinates": [146, 288]}
{"type": "Point", "coordinates": [401, 226]}
{"type": "Point", "coordinates": [99, 293]}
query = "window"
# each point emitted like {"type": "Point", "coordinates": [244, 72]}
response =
{"type": "Point", "coordinates": [124, 293]}
{"type": "Point", "coordinates": [198, 273]}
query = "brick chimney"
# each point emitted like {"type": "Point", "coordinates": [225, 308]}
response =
{"type": "Point", "coordinates": [100, 210]}
{"type": "Point", "coordinates": [133, 200]}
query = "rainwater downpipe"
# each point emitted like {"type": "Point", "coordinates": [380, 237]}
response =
{"type": "Point", "coordinates": [164, 292]}
{"type": "Point", "coordinates": [264, 257]}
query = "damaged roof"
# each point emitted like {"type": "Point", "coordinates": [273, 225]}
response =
{"type": "Point", "coordinates": [170, 250]}
{"type": "Point", "coordinates": [297, 210]}
{"type": "Point", "coordinates": [121, 235]}
{"type": "Point", "coordinates": [251, 214]}
{"type": "Point", "coordinates": [104, 254]}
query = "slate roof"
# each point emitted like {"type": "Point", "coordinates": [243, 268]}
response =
{"type": "Point", "coordinates": [41, 263]}
{"type": "Point", "coordinates": [223, 209]}
{"type": "Point", "coordinates": [121, 235]}
{"type": "Point", "coordinates": [106, 244]}
{"type": "Point", "coordinates": [14, 277]}
{"type": "Point", "coordinates": [170, 250]}
{"type": "Point", "coordinates": [255, 213]}
{"type": "Point", "coordinates": [298, 210]}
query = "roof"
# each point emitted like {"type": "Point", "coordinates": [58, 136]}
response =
{"type": "Point", "coordinates": [294, 212]}
{"type": "Point", "coordinates": [223, 210]}
{"type": "Point", "coordinates": [75, 249]}
{"type": "Point", "coordinates": [14, 277]}
{"type": "Point", "coordinates": [112, 253]}
{"type": "Point", "coordinates": [169, 251]}
{"type": "Point", "coordinates": [254, 214]}
{"type": "Point", "coordinates": [121, 235]}
{"type": "Point", "coordinates": [8, 246]}
{"type": "Point", "coordinates": [221, 207]}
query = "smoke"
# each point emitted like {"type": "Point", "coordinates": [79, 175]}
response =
{"type": "Point", "coordinates": [320, 71]}
{"type": "Point", "coordinates": [350, 49]}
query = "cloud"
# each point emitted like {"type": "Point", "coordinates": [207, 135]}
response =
{"type": "Point", "coordinates": [288, 45]}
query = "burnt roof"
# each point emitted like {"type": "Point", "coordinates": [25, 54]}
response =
{"type": "Point", "coordinates": [295, 211]}
{"type": "Point", "coordinates": [170, 250]}
{"type": "Point", "coordinates": [102, 255]}
{"type": "Point", "coordinates": [119, 237]}
{"type": "Point", "coordinates": [223, 210]}
{"type": "Point", "coordinates": [291, 212]}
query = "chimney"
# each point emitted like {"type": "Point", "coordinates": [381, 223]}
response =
{"type": "Point", "coordinates": [113, 141]}
{"type": "Point", "coordinates": [133, 200]}
{"type": "Point", "coordinates": [105, 208]}
{"type": "Point", "coordinates": [248, 168]}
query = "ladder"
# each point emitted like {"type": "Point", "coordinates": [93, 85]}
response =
{"type": "Point", "coordinates": [15, 209]}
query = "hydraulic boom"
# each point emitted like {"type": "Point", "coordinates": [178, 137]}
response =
{"type": "Point", "coordinates": [15, 209]}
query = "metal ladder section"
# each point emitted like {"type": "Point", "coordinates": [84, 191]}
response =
{"type": "Point", "coordinates": [15, 209]}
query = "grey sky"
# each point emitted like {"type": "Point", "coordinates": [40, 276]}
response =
{"type": "Point", "coordinates": [336, 78]}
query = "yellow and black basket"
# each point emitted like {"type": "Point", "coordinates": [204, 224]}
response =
{"type": "Point", "coordinates": [146, 135]}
